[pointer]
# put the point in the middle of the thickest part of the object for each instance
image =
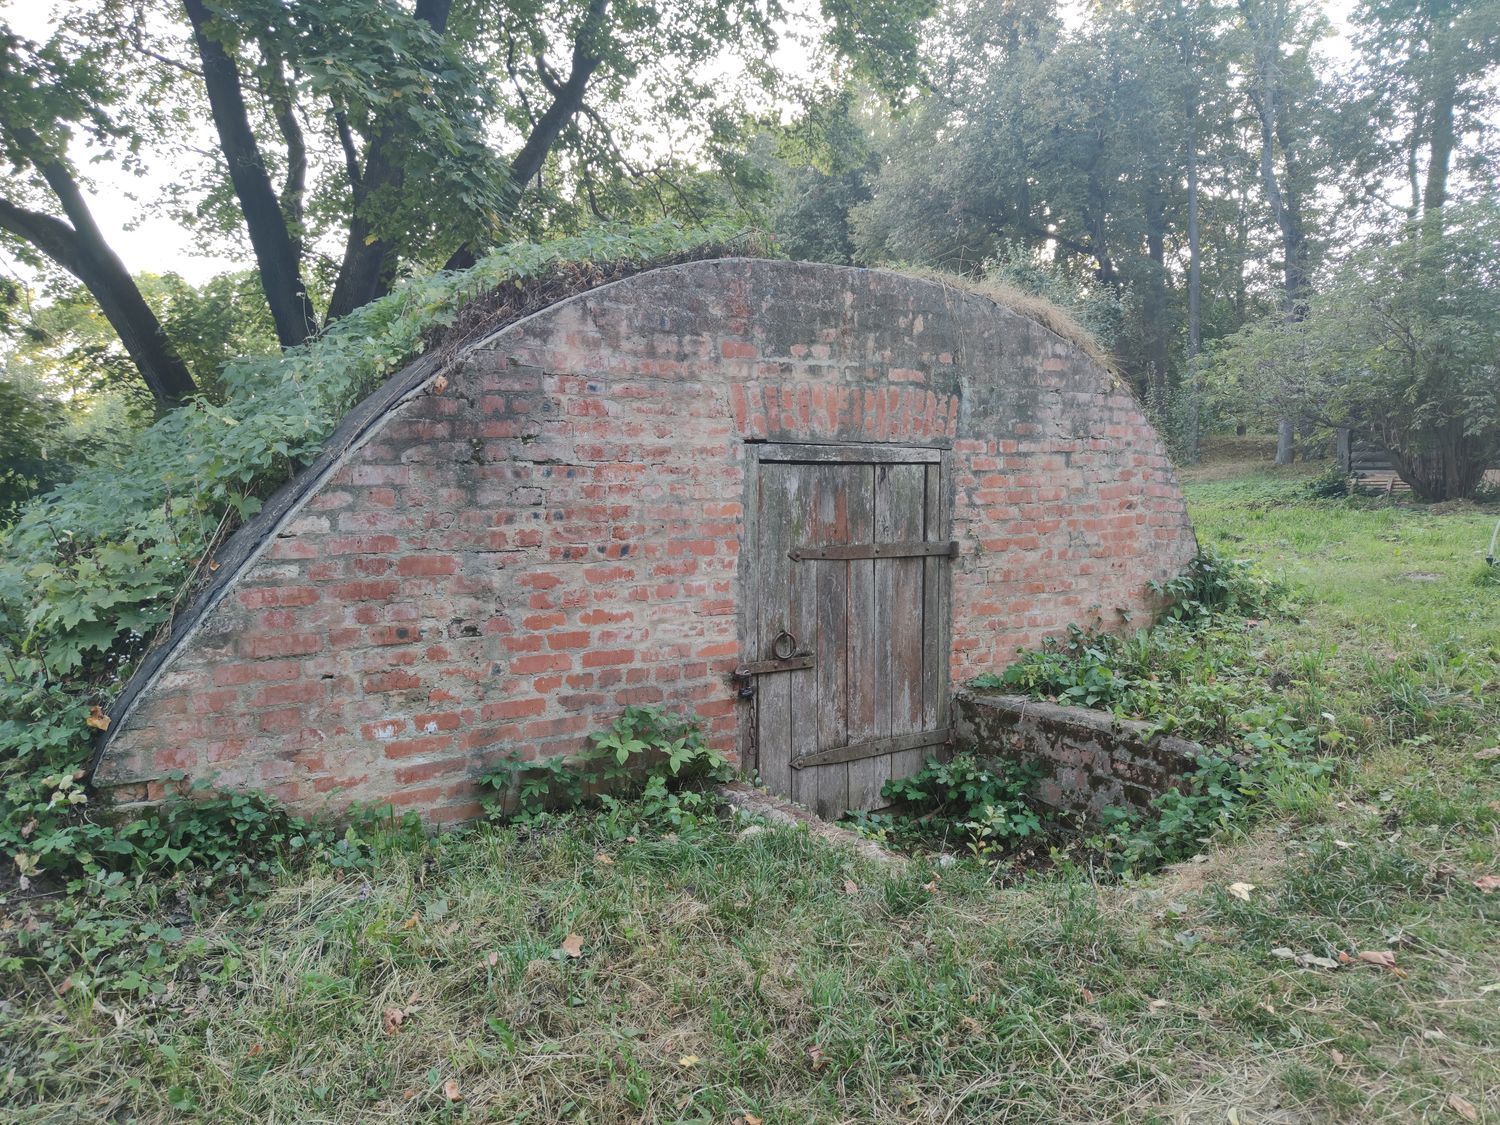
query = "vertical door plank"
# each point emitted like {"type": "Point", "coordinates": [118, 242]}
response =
{"type": "Point", "coordinates": [802, 620]}
{"type": "Point", "coordinates": [778, 499]}
{"type": "Point", "coordinates": [935, 577]}
{"type": "Point", "coordinates": [903, 506]}
{"type": "Point", "coordinates": [866, 777]}
{"type": "Point", "coordinates": [883, 579]}
{"type": "Point", "coordinates": [829, 526]}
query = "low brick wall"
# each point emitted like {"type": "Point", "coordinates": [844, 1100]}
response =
{"type": "Point", "coordinates": [1089, 759]}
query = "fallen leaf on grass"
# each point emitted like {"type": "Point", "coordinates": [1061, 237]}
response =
{"type": "Point", "coordinates": [1380, 958]}
{"type": "Point", "coordinates": [572, 945]}
{"type": "Point", "coordinates": [451, 1090]}
{"type": "Point", "coordinates": [391, 1020]}
{"type": "Point", "coordinates": [1241, 891]}
{"type": "Point", "coordinates": [1488, 884]}
{"type": "Point", "coordinates": [97, 718]}
{"type": "Point", "coordinates": [1463, 1107]}
{"type": "Point", "coordinates": [1313, 961]}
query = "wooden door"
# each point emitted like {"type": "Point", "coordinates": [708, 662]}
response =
{"type": "Point", "coordinates": [847, 650]}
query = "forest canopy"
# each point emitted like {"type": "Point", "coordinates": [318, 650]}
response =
{"type": "Point", "coordinates": [1205, 185]}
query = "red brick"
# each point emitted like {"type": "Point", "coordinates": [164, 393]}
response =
{"type": "Point", "coordinates": [540, 662]}
{"type": "Point", "coordinates": [410, 747]}
{"type": "Point", "coordinates": [392, 681]}
{"type": "Point", "coordinates": [427, 565]}
{"type": "Point", "coordinates": [595, 658]}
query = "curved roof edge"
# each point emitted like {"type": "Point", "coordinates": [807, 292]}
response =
{"type": "Point", "coordinates": [248, 541]}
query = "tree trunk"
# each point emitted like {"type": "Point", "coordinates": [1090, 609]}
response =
{"type": "Point", "coordinates": [369, 266]}
{"type": "Point", "coordinates": [275, 253]}
{"type": "Point", "coordinates": [1286, 447]}
{"type": "Point", "coordinates": [1195, 255]}
{"type": "Point", "coordinates": [1440, 147]}
{"type": "Point", "coordinates": [1265, 96]}
{"type": "Point", "coordinates": [81, 250]}
{"type": "Point", "coordinates": [1452, 471]}
{"type": "Point", "coordinates": [1158, 331]}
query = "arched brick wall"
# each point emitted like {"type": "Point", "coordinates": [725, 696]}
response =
{"type": "Point", "coordinates": [553, 529]}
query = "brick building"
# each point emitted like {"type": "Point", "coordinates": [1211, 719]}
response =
{"type": "Point", "coordinates": [799, 501]}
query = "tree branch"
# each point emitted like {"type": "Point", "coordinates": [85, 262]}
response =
{"type": "Point", "coordinates": [51, 236]}
{"type": "Point", "coordinates": [351, 154]}
{"type": "Point", "coordinates": [567, 97]}
{"type": "Point", "coordinates": [279, 93]}
{"type": "Point", "coordinates": [275, 254]}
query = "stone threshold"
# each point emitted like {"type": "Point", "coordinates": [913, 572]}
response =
{"type": "Point", "coordinates": [781, 811]}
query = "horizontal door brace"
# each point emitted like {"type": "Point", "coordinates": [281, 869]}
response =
{"type": "Point", "coordinates": [876, 551]}
{"type": "Point", "coordinates": [793, 663]}
{"type": "Point", "coordinates": [874, 748]}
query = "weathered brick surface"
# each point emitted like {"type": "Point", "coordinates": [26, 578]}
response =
{"type": "Point", "coordinates": [555, 533]}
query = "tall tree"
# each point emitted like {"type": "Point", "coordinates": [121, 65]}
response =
{"type": "Point", "coordinates": [49, 95]}
{"type": "Point", "coordinates": [1428, 68]}
{"type": "Point", "coordinates": [1282, 87]}
{"type": "Point", "coordinates": [413, 135]}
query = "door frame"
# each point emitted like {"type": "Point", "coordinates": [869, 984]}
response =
{"type": "Point", "coordinates": [939, 601]}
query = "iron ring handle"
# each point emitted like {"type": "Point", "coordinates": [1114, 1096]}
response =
{"type": "Point", "coordinates": [789, 641]}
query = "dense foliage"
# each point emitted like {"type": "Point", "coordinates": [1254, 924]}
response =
{"type": "Point", "coordinates": [353, 143]}
{"type": "Point", "coordinates": [1194, 673]}
{"type": "Point", "coordinates": [648, 770]}
{"type": "Point", "coordinates": [960, 803]}
{"type": "Point", "coordinates": [1403, 344]}
{"type": "Point", "coordinates": [92, 569]}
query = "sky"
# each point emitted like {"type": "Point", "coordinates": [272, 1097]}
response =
{"type": "Point", "coordinates": [149, 241]}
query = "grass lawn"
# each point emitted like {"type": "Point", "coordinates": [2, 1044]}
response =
{"type": "Point", "coordinates": [767, 977]}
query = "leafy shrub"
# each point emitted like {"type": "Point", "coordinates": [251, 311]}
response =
{"type": "Point", "coordinates": [115, 932]}
{"type": "Point", "coordinates": [646, 770]}
{"type": "Point", "coordinates": [1222, 794]}
{"type": "Point", "coordinates": [1195, 674]}
{"type": "Point", "coordinates": [92, 569]}
{"type": "Point", "coordinates": [960, 799]}
{"type": "Point", "coordinates": [1183, 677]}
{"type": "Point", "coordinates": [1213, 586]}
{"type": "Point", "coordinates": [1331, 484]}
